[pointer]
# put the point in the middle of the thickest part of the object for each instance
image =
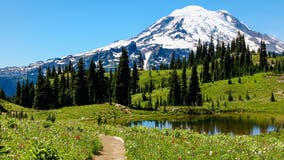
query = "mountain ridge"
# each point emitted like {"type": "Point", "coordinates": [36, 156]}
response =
{"type": "Point", "coordinates": [178, 32]}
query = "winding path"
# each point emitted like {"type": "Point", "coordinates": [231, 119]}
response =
{"type": "Point", "coordinates": [113, 148]}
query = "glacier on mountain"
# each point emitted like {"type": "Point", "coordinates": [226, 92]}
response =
{"type": "Point", "coordinates": [178, 32]}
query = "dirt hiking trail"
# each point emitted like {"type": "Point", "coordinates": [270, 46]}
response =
{"type": "Point", "coordinates": [113, 149]}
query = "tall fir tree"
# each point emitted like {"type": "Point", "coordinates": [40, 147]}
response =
{"type": "Point", "coordinates": [263, 64]}
{"type": "Point", "coordinates": [48, 93]}
{"type": "Point", "coordinates": [122, 85]}
{"type": "Point", "coordinates": [2, 94]}
{"type": "Point", "coordinates": [101, 94]}
{"type": "Point", "coordinates": [172, 63]}
{"type": "Point", "coordinates": [91, 77]}
{"type": "Point", "coordinates": [80, 85]}
{"type": "Point", "coordinates": [194, 93]}
{"type": "Point", "coordinates": [140, 62]}
{"type": "Point", "coordinates": [39, 101]}
{"type": "Point", "coordinates": [183, 85]}
{"type": "Point", "coordinates": [206, 75]}
{"type": "Point", "coordinates": [174, 92]}
{"type": "Point", "coordinates": [62, 91]}
{"type": "Point", "coordinates": [55, 96]}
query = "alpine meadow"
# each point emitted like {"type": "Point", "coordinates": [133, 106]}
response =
{"type": "Point", "coordinates": [196, 84]}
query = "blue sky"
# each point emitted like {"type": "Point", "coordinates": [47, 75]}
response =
{"type": "Point", "coordinates": [33, 30]}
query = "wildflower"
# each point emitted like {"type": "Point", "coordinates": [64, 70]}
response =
{"type": "Point", "coordinates": [77, 137]}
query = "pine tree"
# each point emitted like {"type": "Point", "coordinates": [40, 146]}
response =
{"type": "Point", "coordinates": [263, 64]}
{"type": "Point", "coordinates": [80, 87]}
{"type": "Point", "coordinates": [39, 101]}
{"type": "Point", "coordinates": [92, 82]}
{"type": "Point", "coordinates": [55, 96]}
{"type": "Point", "coordinates": [174, 92]}
{"type": "Point", "coordinates": [110, 87]}
{"type": "Point", "coordinates": [140, 62]}
{"type": "Point", "coordinates": [62, 91]}
{"type": "Point", "coordinates": [272, 98]}
{"type": "Point", "coordinates": [191, 59]}
{"type": "Point", "coordinates": [195, 96]}
{"type": "Point", "coordinates": [205, 73]}
{"type": "Point", "coordinates": [199, 54]}
{"type": "Point", "coordinates": [172, 63]}
{"type": "Point", "coordinates": [122, 80]}
{"type": "Point", "coordinates": [183, 85]}
{"type": "Point", "coordinates": [2, 94]}
{"type": "Point", "coordinates": [230, 96]}
{"type": "Point", "coordinates": [18, 93]}
{"type": "Point", "coordinates": [101, 94]}
{"type": "Point", "coordinates": [134, 79]}
{"type": "Point", "coordinates": [211, 49]}
{"type": "Point", "coordinates": [48, 93]}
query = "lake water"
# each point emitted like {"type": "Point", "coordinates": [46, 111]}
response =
{"type": "Point", "coordinates": [234, 125]}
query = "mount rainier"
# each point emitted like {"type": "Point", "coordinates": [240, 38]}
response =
{"type": "Point", "coordinates": [178, 32]}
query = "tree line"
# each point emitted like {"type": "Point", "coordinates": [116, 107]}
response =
{"type": "Point", "coordinates": [83, 85]}
{"type": "Point", "coordinates": [79, 86]}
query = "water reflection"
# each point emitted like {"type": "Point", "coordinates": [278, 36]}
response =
{"type": "Point", "coordinates": [216, 124]}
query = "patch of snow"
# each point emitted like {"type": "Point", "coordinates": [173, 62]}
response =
{"type": "Point", "coordinates": [147, 56]}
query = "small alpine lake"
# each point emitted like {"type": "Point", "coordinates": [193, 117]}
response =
{"type": "Point", "coordinates": [240, 124]}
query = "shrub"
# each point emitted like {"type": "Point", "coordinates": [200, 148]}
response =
{"type": "Point", "coordinates": [43, 151]}
{"type": "Point", "coordinates": [97, 146]}
{"type": "Point", "coordinates": [272, 98]}
{"type": "Point", "coordinates": [11, 123]}
{"type": "Point", "coordinates": [46, 124]}
{"type": "Point", "coordinates": [51, 118]}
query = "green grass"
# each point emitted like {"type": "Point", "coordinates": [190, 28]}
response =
{"type": "Point", "coordinates": [76, 128]}
{"type": "Point", "coordinates": [144, 143]}
{"type": "Point", "coordinates": [258, 86]}
{"type": "Point", "coordinates": [72, 140]}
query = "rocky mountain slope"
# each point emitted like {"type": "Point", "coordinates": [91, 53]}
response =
{"type": "Point", "coordinates": [178, 32]}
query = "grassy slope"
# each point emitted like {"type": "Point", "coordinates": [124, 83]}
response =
{"type": "Point", "coordinates": [142, 143]}
{"type": "Point", "coordinates": [258, 86]}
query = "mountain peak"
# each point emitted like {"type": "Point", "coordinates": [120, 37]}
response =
{"type": "Point", "coordinates": [188, 10]}
{"type": "Point", "coordinates": [178, 32]}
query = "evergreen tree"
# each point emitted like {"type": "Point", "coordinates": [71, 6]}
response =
{"type": "Point", "coordinates": [199, 55]}
{"type": "Point", "coordinates": [263, 64]}
{"type": "Point", "coordinates": [272, 98]}
{"type": "Point", "coordinates": [140, 62]}
{"type": "Point", "coordinates": [39, 101]}
{"type": "Point", "coordinates": [110, 87]}
{"type": "Point", "coordinates": [195, 96]}
{"type": "Point", "coordinates": [92, 82]}
{"type": "Point", "coordinates": [80, 87]}
{"type": "Point", "coordinates": [18, 93]}
{"type": "Point", "coordinates": [174, 92]}
{"type": "Point", "coordinates": [62, 98]}
{"type": "Point", "coordinates": [183, 86]}
{"type": "Point", "coordinates": [48, 72]}
{"type": "Point", "coordinates": [134, 79]}
{"type": "Point", "coordinates": [211, 49]}
{"type": "Point", "coordinates": [227, 64]}
{"type": "Point", "coordinates": [101, 94]}
{"type": "Point", "coordinates": [122, 80]}
{"type": "Point", "coordinates": [55, 96]}
{"type": "Point", "coordinates": [172, 63]}
{"type": "Point", "coordinates": [191, 59]}
{"type": "Point", "coordinates": [2, 94]}
{"type": "Point", "coordinates": [205, 73]}
{"type": "Point", "coordinates": [230, 96]}
{"type": "Point", "coordinates": [48, 93]}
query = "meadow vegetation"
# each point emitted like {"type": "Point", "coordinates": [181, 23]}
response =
{"type": "Point", "coordinates": [72, 132]}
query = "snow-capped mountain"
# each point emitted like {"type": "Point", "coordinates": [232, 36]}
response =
{"type": "Point", "coordinates": [178, 32]}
